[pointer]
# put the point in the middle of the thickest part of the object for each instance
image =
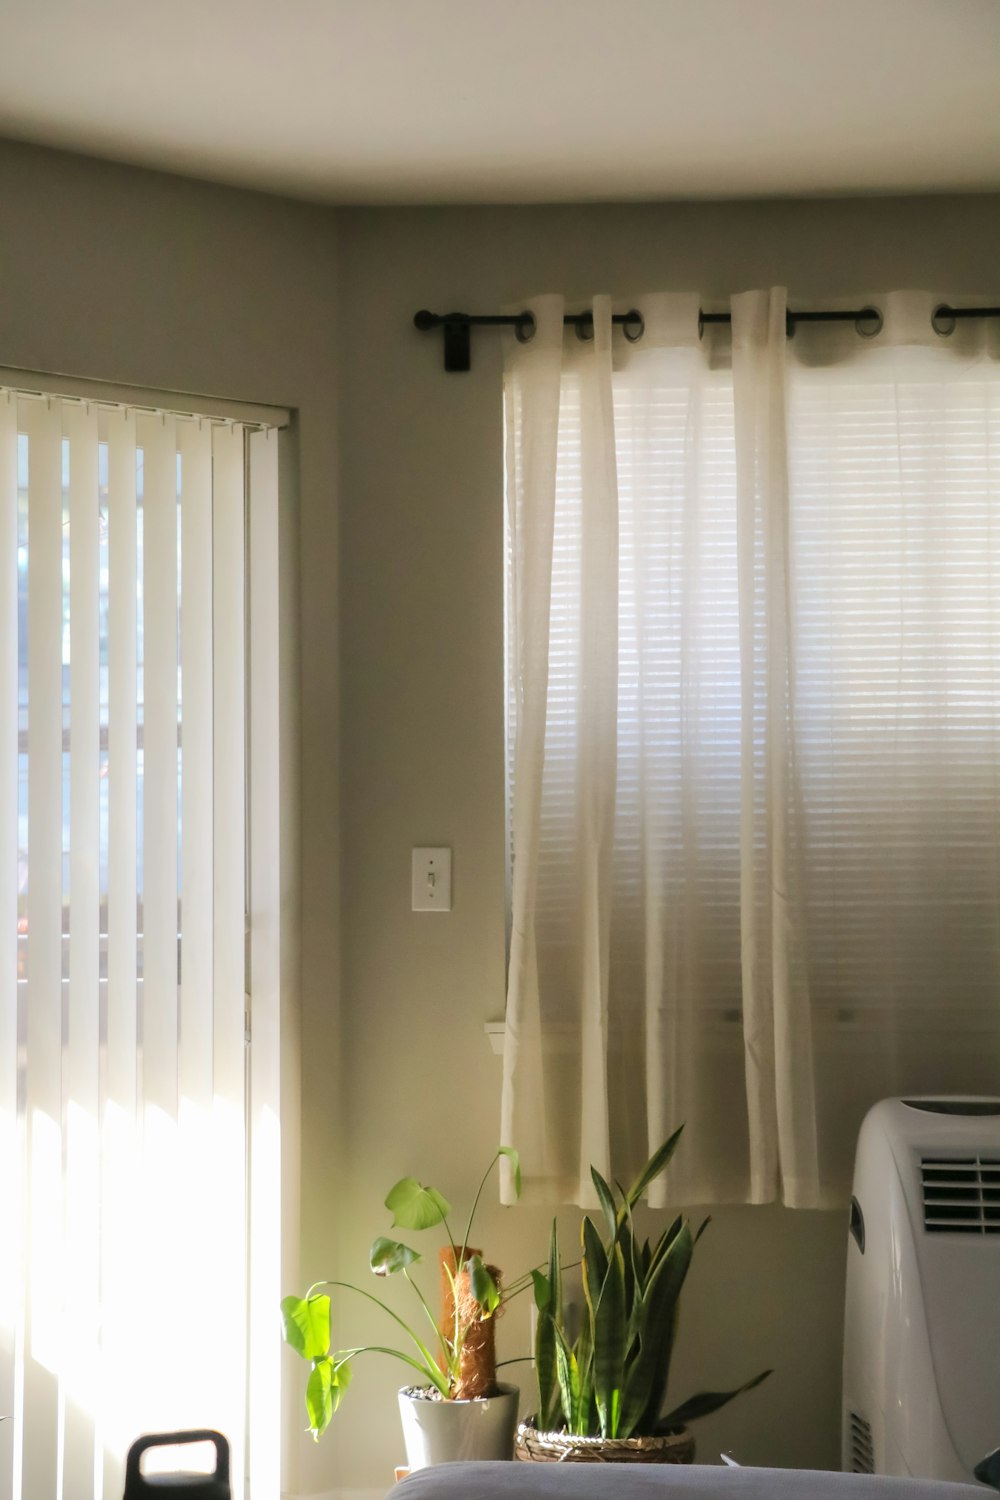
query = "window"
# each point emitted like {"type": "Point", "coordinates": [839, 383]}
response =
{"type": "Point", "coordinates": [128, 1103]}
{"type": "Point", "coordinates": [753, 728]}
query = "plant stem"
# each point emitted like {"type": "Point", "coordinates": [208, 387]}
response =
{"type": "Point", "coordinates": [430, 1318]}
{"type": "Point", "coordinates": [475, 1205]}
{"type": "Point", "coordinates": [440, 1383]}
{"type": "Point", "coordinates": [424, 1352]}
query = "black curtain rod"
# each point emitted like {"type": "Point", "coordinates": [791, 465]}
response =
{"type": "Point", "coordinates": [457, 326]}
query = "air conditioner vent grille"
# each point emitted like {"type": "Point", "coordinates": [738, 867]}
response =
{"type": "Point", "coordinates": [862, 1449]}
{"type": "Point", "coordinates": [961, 1194]}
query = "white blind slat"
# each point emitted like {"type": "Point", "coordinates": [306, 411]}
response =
{"type": "Point", "coordinates": [11, 1239]}
{"type": "Point", "coordinates": [229, 896]}
{"type": "Point", "coordinates": [83, 1040]}
{"type": "Point", "coordinates": [267, 1216]}
{"type": "Point", "coordinates": [43, 1457]}
{"type": "Point", "coordinates": [119, 1124]}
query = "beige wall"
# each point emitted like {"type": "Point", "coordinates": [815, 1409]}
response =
{"type": "Point", "coordinates": [123, 275]}
{"type": "Point", "coordinates": [421, 528]}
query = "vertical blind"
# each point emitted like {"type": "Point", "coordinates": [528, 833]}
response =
{"type": "Point", "coordinates": [800, 543]}
{"type": "Point", "coordinates": [123, 1287]}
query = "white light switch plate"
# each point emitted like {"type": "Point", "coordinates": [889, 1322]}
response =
{"type": "Point", "coordinates": [431, 880]}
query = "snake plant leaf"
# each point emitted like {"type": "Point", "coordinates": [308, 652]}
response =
{"type": "Point", "coordinates": [414, 1206]}
{"type": "Point", "coordinates": [549, 1396]}
{"type": "Point", "coordinates": [595, 1263]}
{"type": "Point", "coordinates": [665, 1241]}
{"type": "Point", "coordinates": [706, 1402]}
{"type": "Point", "coordinates": [386, 1256]}
{"type": "Point", "coordinates": [482, 1285]}
{"type": "Point", "coordinates": [515, 1166]}
{"type": "Point", "coordinates": [306, 1325]}
{"type": "Point", "coordinates": [702, 1227]}
{"type": "Point", "coordinates": [555, 1275]}
{"type": "Point", "coordinates": [609, 1345]}
{"type": "Point", "coordinates": [657, 1163]}
{"type": "Point", "coordinates": [569, 1382]}
{"type": "Point", "coordinates": [646, 1378]}
{"type": "Point", "coordinates": [606, 1199]}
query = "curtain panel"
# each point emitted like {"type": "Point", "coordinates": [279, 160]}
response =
{"type": "Point", "coordinates": [754, 707]}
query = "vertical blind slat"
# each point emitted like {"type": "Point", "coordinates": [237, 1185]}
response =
{"type": "Point", "coordinates": [80, 1092]}
{"type": "Point", "coordinates": [266, 1206]}
{"type": "Point", "coordinates": [43, 1455]}
{"type": "Point", "coordinates": [10, 1175]}
{"type": "Point", "coordinates": [119, 1143]}
{"type": "Point", "coordinates": [195, 442]}
{"type": "Point", "coordinates": [230, 871]}
{"type": "Point", "coordinates": [157, 438]}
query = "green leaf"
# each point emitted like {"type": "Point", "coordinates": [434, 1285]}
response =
{"type": "Point", "coordinates": [569, 1384]}
{"type": "Point", "coordinates": [657, 1163]}
{"type": "Point", "coordinates": [595, 1262]}
{"type": "Point", "coordinates": [414, 1206]}
{"type": "Point", "coordinates": [549, 1395]}
{"type": "Point", "coordinates": [515, 1162]}
{"type": "Point", "coordinates": [706, 1402]}
{"type": "Point", "coordinates": [607, 1202]}
{"type": "Point", "coordinates": [646, 1378]}
{"type": "Point", "coordinates": [482, 1285]}
{"type": "Point", "coordinates": [702, 1227]}
{"type": "Point", "coordinates": [386, 1256]}
{"type": "Point", "coordinates": [325, 1386]}
{"type": "Point", "coordinates": [543, 1291]}
{"type": "Point", "coordinates": [609, 1344]}
{"type": "Point", "coordinates": [555, 1275]}
{"type": "Point", "coordinates": [664, 1242]}
{"type": "Point", "coordinates": [306, 1325]}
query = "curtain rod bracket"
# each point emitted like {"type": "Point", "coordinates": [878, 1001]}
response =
{"type": "Point", "coordinates": [457, 337]}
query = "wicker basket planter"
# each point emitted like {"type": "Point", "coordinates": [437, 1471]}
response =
{"type": "Point", "coordinates": [533, 1446]}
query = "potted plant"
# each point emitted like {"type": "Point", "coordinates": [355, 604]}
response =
{"type": "Point", "coordinates": [601, 1394]}
{"type": "Point", "coordinates": [457, 1409]}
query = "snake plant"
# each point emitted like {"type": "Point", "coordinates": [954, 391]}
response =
{"type": "Point", "coordinates": [610, 1380]}
{"type": "Point", "coordinates": [437, 1357]}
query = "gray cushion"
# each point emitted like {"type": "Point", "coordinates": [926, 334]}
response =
{"type": "Point", "coordinates": [528, 1481]}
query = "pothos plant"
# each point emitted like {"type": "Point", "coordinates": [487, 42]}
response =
{"type": "Point", "coordinates": [610, 1380]}
{"type": "Point", "coordinates": [476, 1297]}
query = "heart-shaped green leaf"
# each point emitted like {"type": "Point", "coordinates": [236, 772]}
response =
{"type": "Point", "coordinates": [307, 1325]}
{"type": "Point", "coordinates": [389, 1256]}
{"type": "Point", "coordinates": [319, 1397]}
{"type": "Point", "coordinates": [414, 1206]}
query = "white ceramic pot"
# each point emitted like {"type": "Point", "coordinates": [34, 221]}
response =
{"type": "Point", "coordinates": [446, 1432]}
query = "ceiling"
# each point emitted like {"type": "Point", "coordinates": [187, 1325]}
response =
{"type": "Point", "coordinates": [479, 101]}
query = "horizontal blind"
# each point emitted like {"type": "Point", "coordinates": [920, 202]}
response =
{"type": "Point", "coordinates": [896, 544]}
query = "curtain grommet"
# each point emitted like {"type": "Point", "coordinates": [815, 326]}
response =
{"type": "Point", "coordinates": [943, 320]}
{"type": "Point", "coordinates": [869, 323]}
{"type": "Point", "coordinates": [525, 328]}
{"type": "Point", "coordinates": [583, 327]}
{"type": "Point", "coordinates": [634, 325]}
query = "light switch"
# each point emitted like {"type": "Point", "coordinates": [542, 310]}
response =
{"type": "Point", "coordinates": [431, 880]}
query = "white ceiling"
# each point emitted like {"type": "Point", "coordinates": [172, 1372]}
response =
{"type": "Point", "coordinates": [409, 101]}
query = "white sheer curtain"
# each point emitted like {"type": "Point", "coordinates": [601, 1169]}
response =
{"type": "Point", "coordinates": [123, 1119]}
{"type": "Point", "coordinates": [754, 650]}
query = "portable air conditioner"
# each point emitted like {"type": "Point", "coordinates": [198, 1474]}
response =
{"type": "Point", "coordinates": [922, 1318]}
